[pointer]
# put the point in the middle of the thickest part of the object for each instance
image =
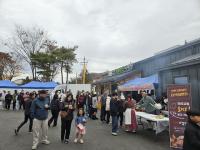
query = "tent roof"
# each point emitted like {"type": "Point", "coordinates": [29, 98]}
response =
{"type": "Point", "coordinates": [7, 84]}
{"type": "Point", "coordinates": [39, 85]}
{"type": "Point", "coordinates": [140, 84]}
{"type": "Point", "coordinates": [116, 78]}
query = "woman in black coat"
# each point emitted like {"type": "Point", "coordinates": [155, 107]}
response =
{"type": "Point", "coordinates": [67, 106]}
{"type": "Point", "coordinates": [55, 104]}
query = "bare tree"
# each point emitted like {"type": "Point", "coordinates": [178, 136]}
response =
{"type": "Point", "coordinates": [4, 58]}
{"type": "Point", "coordinates": [26, 42]}
{"type": "Point", "coordinates": [10, 65]}
{"type": "Point", "coordinates": [11, 70]}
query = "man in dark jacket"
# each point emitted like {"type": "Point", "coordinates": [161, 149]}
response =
{"type": "Point", "coordinates": [120, 116]}
{"type": "Point", "coordinates": [103, 107]}
{"type": "Point", "coordinates": [90, 105]}
{"type": "Point", "coordinates": [114, 111]}
{"type": "Point", "coordinates": [8, 99]}
{"type": "Point", "coordinates": [54, 106]}
{"type": "Point", "coordinates": [192, 132]}
{"type": "Point", "coordinates": [20, 98]}
{"type": "Point", "coordinates": [39, 111]}
{"type": "Point", "coordinates": [15, 99]}
{"type": "Point", "coordinates": [27, 114]}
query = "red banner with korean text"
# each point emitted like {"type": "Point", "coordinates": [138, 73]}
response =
{"type": "Point", "coordinates": [179, 102]}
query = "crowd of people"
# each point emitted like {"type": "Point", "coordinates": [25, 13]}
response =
{"type": "Point", "coordinates": [112, 108]}
{"type": "Point", "coordinates": [15, 101]}
{"type": "Point", "coordinates": [36, 111]}
{"type": "Point", "coordinates": [115, 109]}
{"type": "Point", "coordinates": [122, 110]}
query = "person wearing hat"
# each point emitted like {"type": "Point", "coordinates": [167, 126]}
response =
{"type": "Point", "coordinates": [192, 131]}
{"type": "Point", "coordinates": [147, 103]}
{"type": "Point", "coordinates": [39, 112]}
{"type": "Point", "coordinates": [114, 111]}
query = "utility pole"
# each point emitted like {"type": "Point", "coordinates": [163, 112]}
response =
{"type": "Point", "coordinates": [76, 78]}
{"type": "Point", "coordinates": [84, 70]}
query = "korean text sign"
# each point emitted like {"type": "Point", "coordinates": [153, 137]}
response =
{"type": "Point", "coordinates": [179, 99]}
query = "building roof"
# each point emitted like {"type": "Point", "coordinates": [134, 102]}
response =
{"type": "Point", "coordinates": [116, 78]}
{"type": "Point", "coordinates": [187, 61]}
{"type": "Point", "coordinates": [171, 50]}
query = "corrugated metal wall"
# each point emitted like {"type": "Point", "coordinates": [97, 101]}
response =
{"type": "Point", "coordinates": [193, 73]}
{"type": "Point", "coordinates": [152, 65]}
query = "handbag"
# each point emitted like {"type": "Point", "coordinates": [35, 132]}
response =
{"type": "Point", "coordinates": [98, 106]}
{"type": "Point", "coordinates": [63, 114]}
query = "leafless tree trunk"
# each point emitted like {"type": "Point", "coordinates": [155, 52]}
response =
{"type": "Point", "coordinates": [26, 42]}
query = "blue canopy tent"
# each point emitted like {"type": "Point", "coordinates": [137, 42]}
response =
{"type": "Point", "coordinates": [7, 84]}
{"type": "Point", "coordinates": [39, 85]}
{"type": "Point", "coordinates": [147, 83]}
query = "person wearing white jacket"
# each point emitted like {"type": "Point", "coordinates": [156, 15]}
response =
{"type": "Point", "coordinates": [108, 109]}
{"type": "Point", "coordinates": [3, 99]}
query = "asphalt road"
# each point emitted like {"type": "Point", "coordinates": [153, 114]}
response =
{"type": "Point", "coordinates": [98, 137]}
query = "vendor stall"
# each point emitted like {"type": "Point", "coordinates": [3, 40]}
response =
{"type": "Point", "coordinates": [39, 85]}
{"type": "Point", "coordinates": [7, 84]}
{"type": "Point", "coordinates": [160, 123]}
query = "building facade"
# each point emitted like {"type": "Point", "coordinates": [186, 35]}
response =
{"type": "Point", "coordinates": [110, 80]}
{"type": "Point", "coordinates": [176, 65]}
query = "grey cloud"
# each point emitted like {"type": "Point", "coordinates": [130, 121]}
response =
{"type": "Point", "coordinates": [109, 33]}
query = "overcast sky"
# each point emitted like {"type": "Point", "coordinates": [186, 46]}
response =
{"type": "Point", "coordinates": [109, 33]}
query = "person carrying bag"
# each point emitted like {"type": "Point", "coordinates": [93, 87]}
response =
{"type": "Point", "coordinates": [67, 108]}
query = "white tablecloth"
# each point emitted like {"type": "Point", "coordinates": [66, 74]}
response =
{"type": "Point", "coordinates": [159, 124]}
{"type": "Point", "coordinates": [165, 112]}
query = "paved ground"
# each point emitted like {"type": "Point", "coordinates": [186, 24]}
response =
{"type": "Point", "coordinates": [98, 137]}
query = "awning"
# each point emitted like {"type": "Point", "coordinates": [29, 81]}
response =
{"type": "Point", "coordinates": [7, 84]}
{"type": "Point", "coordinates": [117, 78]}
{"type": "Point", "coordinates": [147, 83]}
{"type": "Point", "coordinates": [39, 85]}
